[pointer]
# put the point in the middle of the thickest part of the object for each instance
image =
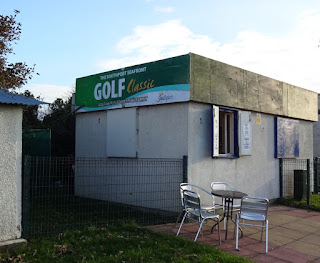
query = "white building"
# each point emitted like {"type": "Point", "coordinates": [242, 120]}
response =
{"type": "Point", "coordinates": [233, 124]}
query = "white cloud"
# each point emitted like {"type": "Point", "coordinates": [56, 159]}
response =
{"type": "Point", "coordinates": [149, 43]}
{"type": "Point", "coordinates": [165, 10]}
{"type": "Point", "coordinates": [49, 93]}
{"type": "Point", "coordinates": [293, 58]}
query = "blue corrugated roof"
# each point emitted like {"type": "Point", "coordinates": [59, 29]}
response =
{"type": "Point", "coordinates": [7, 97]}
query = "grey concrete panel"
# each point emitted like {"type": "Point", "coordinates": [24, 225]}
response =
{"type": "Point", "coordinates": [221, 84]}
{"type": "Point", "coordinates": [91, 134]}
{"type": "Point", "coordinates": [163, 131]}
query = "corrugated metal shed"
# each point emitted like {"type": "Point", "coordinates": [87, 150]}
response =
{"type": "Point", "coordinates": [7, 97]}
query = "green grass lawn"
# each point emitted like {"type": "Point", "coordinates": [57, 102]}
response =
{"type": "Point", "coordinates": [56, 214]}
{"type": "Point", "coordinates": [122, 243]}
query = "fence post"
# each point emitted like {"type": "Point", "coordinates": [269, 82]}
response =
{"type": "Point", "coordinates": [185, 169]}
{"type": "Point", "coordinates": [315, 175]}
{"type": "Point", "coordinates": [26, 195]}
{"type": "Point", "coordinates": [308, 182]}
{"type": "Point", "coordinates": [281, 177]}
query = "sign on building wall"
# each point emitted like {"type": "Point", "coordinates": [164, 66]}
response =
{"type": "Point", "coordinates": [287, 138]}
{"type": "Point", "coordinates": [245, 132]}
{"type": "Point", "coordinates": [158, 82]}
{"type": "Point", "coordinates": [215, 131]}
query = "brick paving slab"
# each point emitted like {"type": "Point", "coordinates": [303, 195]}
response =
{"type": "Point", "coordinates": [279, 240]}
{"type": "Point", "coordinates": [299, 226]}
{"type": "Point", "coordinates": [277, 208]}
{"type": "Point", "coordinates": [287, 232]}
{"type": "Point", "coordinates": [309, 222]}
{"type": "Point", "coordinates": [301, 213]}
{"type": "Point", "coordinates": [267, 259]}
{"type": "Point", "coordinates": [281, 219]}
{"type": "Point", "coordinates": [311, 239]}
{"type": "Point", "coordinates": [315, 218]}
{"type": "Point", "coordinates": [311, 249]}
{"type": "Point", "coordinates": [291, 255]}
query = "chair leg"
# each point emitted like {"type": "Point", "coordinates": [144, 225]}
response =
{"type": "Point", "coordinates": [178, 218]}
{"type": "Point", "coordinates": [267, 226]}
{"type": "Point", "coordinates": [199, 230]}
{"type": "Point", "coordinates": [237, 236]}
{"type": "Point", "coordinates": [234, 229]}
{"type": "Point", "coordinates": [219, 232]}
{"type": "Point", "coordinates": [261, 233]}
{"type": "Point", "coordinates": [184, 217]}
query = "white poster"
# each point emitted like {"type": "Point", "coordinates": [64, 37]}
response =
{"type": "Point", "coordinates": [245, 133]}
{"type": "Point", "coordinates": [246, 136]}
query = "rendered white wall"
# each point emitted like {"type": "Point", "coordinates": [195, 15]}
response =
{"type": "Point", "coordinates": [257, 174]}
{"type": "Point", "coordinates": [316, 135]}
{"type": "Point", "coordinates": [174, 130]}
{"type": "Point", "coordinates": [10, 171]}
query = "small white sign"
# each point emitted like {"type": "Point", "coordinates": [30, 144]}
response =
{"type": "Point", "coordinates": [247, 136]}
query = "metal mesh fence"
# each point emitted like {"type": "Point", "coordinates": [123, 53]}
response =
{"type": "Point", "coordinates": [316, 176]}
{"type": "Point", "coordinates": [299, 182]}
{"type": "Point", "coordinates": [70, 193]}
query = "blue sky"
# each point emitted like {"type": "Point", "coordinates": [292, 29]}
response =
{"type": "Point", "coordinates": [71, 39]}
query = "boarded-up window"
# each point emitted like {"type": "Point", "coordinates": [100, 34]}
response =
{"type": "Point", "coordinates": [122, 133]}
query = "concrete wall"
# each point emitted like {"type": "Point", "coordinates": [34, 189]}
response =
{"type": "Point", "coordinates": [256, 175]}
{"type": "Point", "coordinates": [174, 130]}
{"type": "Point", "coordinates": [136, 182]}
{"type": "Point", "coordinates": [10, 171]}
{"type": "Point", "coordinates": [217, 83]}
{"type": "Point", "coordinates": [316, 135]}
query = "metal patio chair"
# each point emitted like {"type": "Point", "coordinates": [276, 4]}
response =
{"type": "Point", "coordinates": [195, 212]}
{"type": "Point", "coordinates": [208, 205]}
{"type": "Point", "coordinates": [253, 209]}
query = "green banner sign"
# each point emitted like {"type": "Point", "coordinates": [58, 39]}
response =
{"type": "Point", "coordinates": [158, 82]}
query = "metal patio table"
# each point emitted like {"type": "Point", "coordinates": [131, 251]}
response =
{"type": "Point", "coordinates": [228, 196]}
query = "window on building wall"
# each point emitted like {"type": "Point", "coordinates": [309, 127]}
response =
{"type": "Point", "coordinates": [225, 132]}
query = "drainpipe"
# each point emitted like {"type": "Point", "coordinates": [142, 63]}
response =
{"type": "Point", "coordinates": [185, 169]}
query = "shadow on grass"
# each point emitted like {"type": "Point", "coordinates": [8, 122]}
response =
{"type": "Point", "coordinates": [122, 243]}
{"type": "Point", "coordinates": [52, 214]}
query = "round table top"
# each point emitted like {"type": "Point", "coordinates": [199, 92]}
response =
{"type": "Point", "coordinates": [228, 194]}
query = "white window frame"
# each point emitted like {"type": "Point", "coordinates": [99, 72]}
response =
{"type": "Point", "coordinates": [229, 147]}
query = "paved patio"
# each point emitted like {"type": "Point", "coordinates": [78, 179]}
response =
{"type": "Point", "coordinates": [294, 236]}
